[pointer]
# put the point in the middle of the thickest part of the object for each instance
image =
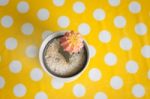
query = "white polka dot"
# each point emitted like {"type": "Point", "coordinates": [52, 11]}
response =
{"type": "Point", "coordinates": [57, 84]}
{"type": "Point", "coordinates": [120, 21]}
{"type": "Point", "coordinates": [84, 28]}
{"type": "Point", "coordinates": [94, 74]}
{"type": "Point", "coordinates": [7, 21]}
{"type": "Point", "coordinates": [41, 95]}
{"type": "Point", "coordinates": [79, 90]}
{"type": "Point", "coordinates": [140, 29]}
{"type": "Point", "coordinates": [27, 28]}
{"type": "Point", "coordinates": [132, 66]}
{"type": "Point", "coordinates": [2, 82]}
{"type": "Point", "coordinates": [78, 7]}
{"type": "Point", "coordinates": [23, 7]}
{"type": "Point", "coordinates": [63, 21]}
{"type": "Point", "coordinates": [104, 36]}
{"type": "Point", "coordinates": [114, 3]}
{"type": "Point", "coordinates": [116, 82]}
{"type": "Point", "coordinates": [100, 95]}
{"type": "Point", "coordinates": [134, 7]}
{"type": "Point", "coordinates": [19, 90]}
{"type": "Point", "coordinates": [145, 51]}
{"type": "Point", "coordinates": [15, 66]}
{"type": "Point", "coordinates": [45, 34]}
{"type": "Point", "coordinates": [36, 74]}
{"type": "Point", "coordinates": [31, 51]}
{"type": "Point", "coordinates": [58, 2]}
{"type": "Point", "coordinates": [125, 44]}
{"type": "Point", "coordinates": [11, 43]}
{"type": "Point", "coordinates": [92, 51]}
{"type": "Point", "coordinates": [148, 74]}
{"type": "Point", "coordinates": [4, 2]}
{"type": "Point", "coordinates": [138, 90]}
{"type": "Point", "coordinates": [110, 59]}
{"type": "Point", "coordinates": [43, 14]}
{"type": "Point", "coordinates": [99, 14]}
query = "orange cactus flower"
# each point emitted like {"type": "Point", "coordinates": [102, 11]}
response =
{"type": "Point", "coordinates": [72, 42]}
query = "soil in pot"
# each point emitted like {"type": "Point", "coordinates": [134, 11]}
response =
{"type": "Point", "coordinates": [56, 63]}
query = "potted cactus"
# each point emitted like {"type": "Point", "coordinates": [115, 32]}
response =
{"type": "Point", "coordinates": [64, 55]}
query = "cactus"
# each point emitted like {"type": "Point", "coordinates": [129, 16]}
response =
{"type": "Point", "coordinates": [71, 42]}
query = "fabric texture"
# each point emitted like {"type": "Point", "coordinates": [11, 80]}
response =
{"type": "Point", "coordinates": [118, 35]}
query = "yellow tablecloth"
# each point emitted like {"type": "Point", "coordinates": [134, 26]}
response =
{"type": "Point", "coordinates": [119, 41]}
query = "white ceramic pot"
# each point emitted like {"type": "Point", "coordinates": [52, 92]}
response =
{"type": "Point", "coordinates": [41, 57]}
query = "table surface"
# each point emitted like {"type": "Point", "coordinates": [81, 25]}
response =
{"type": "Point", "coordinates": [118, 35]}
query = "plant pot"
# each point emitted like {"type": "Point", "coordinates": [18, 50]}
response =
{"type": "Point", "coordinates": [44, 66]}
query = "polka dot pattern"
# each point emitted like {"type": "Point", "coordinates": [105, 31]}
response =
{"type": "Point", "coordinates": [99, 14]}
{"type": "Point", "coordinates": [92, 51]}
{"type": "Point", "coordinates": [84, 28]}
{"type": "Point", "coordinates": [2, 82]}
{"type": "Point", "coordinates": [132, 66]}
{"type": "Point", "coordinates": [148, 74]}
{"type": "Point", "coordinates": [79, 90]}
{"type": "Point", "coordinates": [43, 14]}
{"type": "Point", "coordinates": [104, 36]}
{"type": "Point", "coordinates": [4, 2]}
{"type": "Point", "coordinates": [140, 29]}
{"type": "Point", "coordinates": [36, 74]}
{"type": "Point", "coordinates": [110, 59]}
{"type": "Point", "coordinates": [7, 21]}
{"type": "Point", "coordinates": [94, 74]}
{"type": "Point", "coordinates": [41, 95]}
{"type": "Point", "coordinates": [116, 82]}
{"type": "Point", "coordinates": [27, 28]}
{"type": "Point", "coordinates": [125, 44]}
{"type": "Point", "coordinates": [114, 3]}
{"type": "Point", "coordinates": [100, 95]}
{"type": "Point", "coordinates": [63, 21]}
{"type": "Point", "coordinates": [138, 91]}
{"type": "Point", "coordinates": [117, 33]}
{"type": "Point", "coordinates": [11, 43]}
{"type": "Point", "coordinates": [57, 84]}
{"type": "Point", "coordinates": [78, 7]}
{"type": "Point", "coordinates": [45, 34]}
{"type": "Point", "coordinates": [134, 7]}
{"type": "Point", "coordinates": [145, 51]}
{"type": "Point", "coordinates": [58, 2]}
{"type": "Point", "coordinates": [15, 66]}
{"type": "Point", "coordinates": [31, 51]}
{"type": "Point", "coordinates": [23, 7]}
{"type": "Point", "coordinates": [19, 90]}
{"type": "Point", "coordinates": [120, 21]}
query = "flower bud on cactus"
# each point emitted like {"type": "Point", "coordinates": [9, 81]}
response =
{"type": "Point", "coordinates": [71, 42]}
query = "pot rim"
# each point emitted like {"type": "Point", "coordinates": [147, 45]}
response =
{"type": "Point", "coordinates": [41, 52]}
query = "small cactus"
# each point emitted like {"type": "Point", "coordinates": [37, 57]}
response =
{"type": "Point", "coordinates": [71, 42]}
